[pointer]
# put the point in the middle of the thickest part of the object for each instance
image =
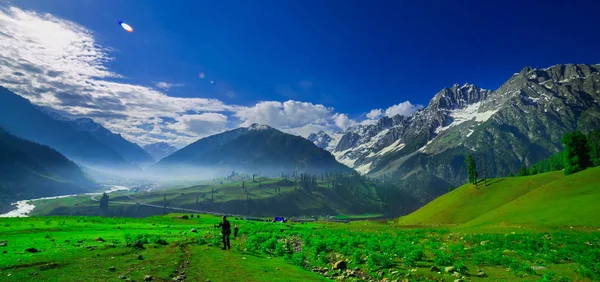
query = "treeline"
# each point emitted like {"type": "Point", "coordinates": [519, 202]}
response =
{"type": "Point", "coordinates": [580, 152]}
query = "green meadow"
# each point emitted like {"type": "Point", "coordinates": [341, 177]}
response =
{"type": "Point", "coordinates": [536, 228]}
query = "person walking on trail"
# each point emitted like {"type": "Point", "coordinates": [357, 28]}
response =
{"type": "Point", "coordinates": [235, 231]}
{"type": "Point", "coordinates": [225, 232]}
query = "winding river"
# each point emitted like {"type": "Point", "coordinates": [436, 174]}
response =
{"type": "Point", "coordinates": [24, 207]}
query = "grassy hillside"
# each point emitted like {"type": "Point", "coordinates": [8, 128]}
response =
{"type": "Point", "coordinates": [543, 200]}
{"type": "Point", "coordinates": [168, 249]}
{"type": "Point", "coordinates": [262, 197]}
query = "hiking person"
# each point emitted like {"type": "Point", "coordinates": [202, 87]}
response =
{"type": "Point", "coordinates": [225, 232]}
{"type": "Point", "coordinates": [235, 231]}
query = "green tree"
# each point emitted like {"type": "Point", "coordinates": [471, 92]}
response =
{"type": "Point", "coordinates": [104, 202]}
{"type": "Point", "coordinates": [533, 170]}
{"type": "Point", "coordinates": [471, 170]}
{"type": "Point", "coordinates": [523, 171]}
{"type": "Point", "coordinates": [594, 146]}
{"type": "Point", "coordinates": [511, 175]}
{"type": "Point", "coordinates": [577, 152]}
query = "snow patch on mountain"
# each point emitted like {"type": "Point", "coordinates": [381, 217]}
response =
{"type": "Point", "coordinates": [364, 169]}
{"type": "Point", "coordinates": [256, 126]}
{"type": "Point", "coordinates": [469, 113]}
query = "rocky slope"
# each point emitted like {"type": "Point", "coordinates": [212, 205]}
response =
{"type": "Point", "coordinates": [518, 124]}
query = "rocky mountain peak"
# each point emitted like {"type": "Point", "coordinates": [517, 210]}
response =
{"type": "Point", "coordinates": [457, 97]}
{"type": "Point", "coordinates": [321, 139]}
{"type": "Point", "coordinates": [256, 126]}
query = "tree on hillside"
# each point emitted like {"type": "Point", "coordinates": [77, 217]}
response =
{"type": "Point", "coordinates": [511, 175]}
{"type": "Point", "coordinates": [104, 202]}
{"type": "Point", "coordinates": [594, 146]}
{"type": "Point", "coordinates": [577, 152]}
{"type": "Point", "coordinates": [471, 170]}
{"type": "Point", "coordinates": [522, 171]}
{"type": "Point", "coordinates": [483, 167]}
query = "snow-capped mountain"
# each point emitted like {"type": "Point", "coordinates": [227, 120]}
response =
{"type": "Point", "coordinates": [520, 123]}
{"type": "Point", "coordinates": [324, 140]}
{"type": "Point", "coordinates": [362, 145]}
{"type": "Point", "coordinates": [160, 150]}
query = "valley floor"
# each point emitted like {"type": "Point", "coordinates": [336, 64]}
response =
{"type": "Point", "coordinates": [176, 249]}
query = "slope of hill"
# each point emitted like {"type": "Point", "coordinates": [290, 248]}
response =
{"type": "Point", "coordinates": [29, 170]}
{"type": "Point", "coordinates": [255, 149]}
{"type": "Point", "coordinates": [128, 150]}
{"type": "Point", "coordinates": [239, 195]}
{"type": "Point", "coordinates": [544, 200]}
{"type": "Point", "coordinates": [160, 150]}
{"type": "Point", "coordinates": [21, 118]}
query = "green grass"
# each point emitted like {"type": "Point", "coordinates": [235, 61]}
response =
{"type": "Point", "coordinates": [358, 216]}
{"type": "Point", "coordinates": [283, 252]}
{"type": "Point", "coordinates": [540, 201]}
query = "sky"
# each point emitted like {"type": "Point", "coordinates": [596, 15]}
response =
{"type": "Point", "coordinates": [299, 66]}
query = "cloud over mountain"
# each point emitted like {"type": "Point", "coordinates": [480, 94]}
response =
{"type": "Point", "coordinates": [58, 63]}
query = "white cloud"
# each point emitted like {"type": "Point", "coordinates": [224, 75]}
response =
{"type": "Point", "coordinates": [288, 114]}
{"type": "Point", "coordinates": [57, 63]}
{"type": "Point", "coordinates": [405, 108]}
{"type": "Point", "coordinates": [374, 114]}
{"type": "Point", "coordinates": [201, 124]}
{"type": "Point", "coordinates": [166, 85]}
{"type": "Point", "coordinates": [342, 121]}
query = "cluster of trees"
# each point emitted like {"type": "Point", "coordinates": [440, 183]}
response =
{"type": "Point", "coordinates": [580, 152]}
{"type": "Point", "coordinates": [307, 182]}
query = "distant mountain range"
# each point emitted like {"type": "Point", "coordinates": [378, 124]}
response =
{"type": "Point", "coordinates": [128, 150]}
{"type": "Point", "coordinates": [29, 170]}
{"type": "Point", "coordinates": [255, 149]}
{"type": "Point", "coordinates": [518, 124]}
{"type": "Point", "coordinates": [21, 118]}
{"type": "Point", "coordinates": [160, 150]}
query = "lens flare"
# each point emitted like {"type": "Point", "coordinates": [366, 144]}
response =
{"type": "Point", "coordinates": [126, 27]}
{"type": "Point", "coordinates": [201, 75]}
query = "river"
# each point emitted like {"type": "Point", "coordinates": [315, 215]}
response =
{"type": "Point", "coordinates": [24, 207]}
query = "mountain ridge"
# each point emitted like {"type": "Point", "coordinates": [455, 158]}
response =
{"type": "Point", "coordinates": [130, 151]}
{"type": "Point", "coordinates": [255, 149]}
{"type": "Point", "coordinates": [22, 118]}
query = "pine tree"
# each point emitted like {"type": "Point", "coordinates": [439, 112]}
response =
{"type": "Point", "coordinates": [523, 171]}
{"type": "Point", "coordinates": [471, 170]}
{"type": "Point", "coordinates": [577, 153]}
{"type": "Point", "coordinates": [104, 202]}
{"type": "Point", "coordinates": [594, 147]}
{"type": "Point", "coordinates": [483, 167]}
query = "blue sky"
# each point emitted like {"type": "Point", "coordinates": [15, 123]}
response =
{"type": "Point", "coordinates": [342, 58]}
